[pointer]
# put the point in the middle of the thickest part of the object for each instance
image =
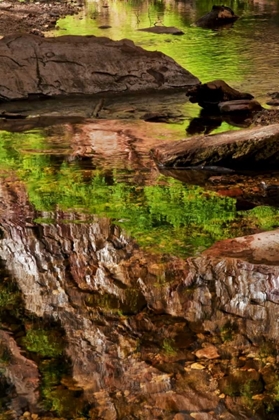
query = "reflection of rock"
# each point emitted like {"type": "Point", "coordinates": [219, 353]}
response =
{"type": "Point", "coordinates": [171, 30]}
{"type": "Point", "coordinates": [253, 149]}
{"type": "Point", "coordinates": [83, 65]}
{"type": "Point", "coordinates": [136, 324]}
{"type": "Point", "coordinates": [22, 373]}
{"type": "Point", "coordinates": [218, 16]}
{"type": "Point", "coordinates": [271, 193]}
{"type": "Point", "coordinates": [207, 122]}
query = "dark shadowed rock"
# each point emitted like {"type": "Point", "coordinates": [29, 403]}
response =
{"type": "Point", "coordinates": [83, 65]}
{"type": "Point", "coordinates": [218, 16]}
{"type": "Point", "coordinates": [255, 148]}
{"type": "Point", "coordinates": [211, 94]}
{"type": "Point", "coordinates": [171, 30]}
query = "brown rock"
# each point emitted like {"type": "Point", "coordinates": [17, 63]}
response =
{"type": "Point", "coordinates": [83, 65]}
{"type": "Point", "coordinates": [209, 352]}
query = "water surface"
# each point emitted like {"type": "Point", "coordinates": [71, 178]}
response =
{"type": "Point", "coordinates": [101, 313]}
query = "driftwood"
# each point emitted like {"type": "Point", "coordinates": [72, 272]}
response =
{"type": "Point", "coordinates": [253, 149]}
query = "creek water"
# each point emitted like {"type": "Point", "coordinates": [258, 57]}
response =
{"type": "Point", "coordinates": [97, 318]}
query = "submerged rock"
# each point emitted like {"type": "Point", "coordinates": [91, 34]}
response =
{"type": "Point", "coordinates": [71, 65]}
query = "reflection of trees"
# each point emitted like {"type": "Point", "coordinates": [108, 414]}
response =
{"type": "Point", "coordinates": [169, 215]}
{"type": "Point", "coordinates": [164, 215]}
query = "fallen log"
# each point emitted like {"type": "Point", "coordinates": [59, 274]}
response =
{"type": "Point", "coordinates": [253, 149]}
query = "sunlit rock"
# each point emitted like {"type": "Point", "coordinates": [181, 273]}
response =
{"type": "Point", "coordinates": [208, 352]}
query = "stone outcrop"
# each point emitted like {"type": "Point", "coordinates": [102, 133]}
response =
{"type": "Point", "coordinates": [254, 149]}
{"type": "Point", "coordinates": [32, 66]}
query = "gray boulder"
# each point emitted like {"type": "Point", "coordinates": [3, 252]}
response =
{"type": "Point", "coordinates": [35, 66]}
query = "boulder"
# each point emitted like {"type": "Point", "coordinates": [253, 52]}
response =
{"type": "Point", "coordinates": [253, 149]}
{"type": "Point", "coordinates": [71, 65]}
{"type": "Point", "coordinates": [218, 16]}
{"type": "Point", "coordinates": [209, 95]}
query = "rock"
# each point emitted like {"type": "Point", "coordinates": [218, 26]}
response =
{"type": "Point", "coordinates": [273, 102]}
{"type": "Point", "coordinates": [71, 65]}
{"type": "Point", "coordinates": [239, 105]}
{"type": "Point", "coordinates": [171, 30]}
{"type": "Point", "coordinates": [209, 352]}
{"type": "Point", "coordinates": [197, 366]}
{"type": "Point", "coordinates": [254, 149]}
{"type": "Point", "coordinates": [218, 16]}
{"type": "Point", "coordinates": [210, 94]}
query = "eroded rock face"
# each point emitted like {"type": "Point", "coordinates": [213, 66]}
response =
{"type": "Point", "coordinates": [83, 65]}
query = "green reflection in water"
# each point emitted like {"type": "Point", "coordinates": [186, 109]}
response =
{"type": "Point", "coordinates": [167, 217]}
{"type": "Point", "coordinates": [41, 341]}
{"type": "Point", "coordinates": [58, 398]}
{"type": "Point", "coordinates": [206, 54]}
